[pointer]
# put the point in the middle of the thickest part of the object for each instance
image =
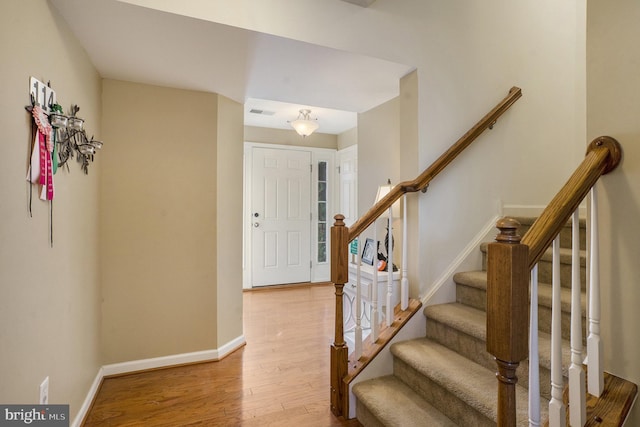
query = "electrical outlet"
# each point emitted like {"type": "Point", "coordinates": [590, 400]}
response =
{"type": "Point", "coordinates": [44, 392]}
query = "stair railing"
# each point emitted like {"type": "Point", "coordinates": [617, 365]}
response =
{"type": "Point", "coordinates": [341, 236]}
{"type": "Point", "coordinates": [511, 260]}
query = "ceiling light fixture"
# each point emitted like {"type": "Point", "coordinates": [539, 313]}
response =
{"type": "Point", "coordinates": [304, 124]}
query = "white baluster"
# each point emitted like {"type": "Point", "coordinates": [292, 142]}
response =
{"type": "Point", "coordinates": [595, 376]}
{"type": "Point", "coordinates": [534, 362]}
{"type": "Point", "coordinates": [577, 396]}
{"type": "Point", "coordinates": [375, 316]}
{"type": "Point", "coordinates": [557, 411]}
{"type": "Point", "coordinates": [404, 282]}
{"type": "Point", "coordinates": [389, 319]}
{"type": "Point", "coordinates": [358, 329]}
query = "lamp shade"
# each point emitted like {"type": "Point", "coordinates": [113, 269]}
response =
{"type": "Point", "coordinates": [383, 190]}
{"type": "Point", "coordinates": [304, 125]}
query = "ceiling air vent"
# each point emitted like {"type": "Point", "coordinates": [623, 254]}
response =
{"type": "Point", "coordinates": [363, 3]}
{"type": "Point", "coordinates": [262, 112]}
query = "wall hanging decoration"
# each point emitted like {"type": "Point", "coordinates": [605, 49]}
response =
{"type": "Point", "coordinates": [71, 138]}
{"type": "Point", "coordinates": [55, 138]}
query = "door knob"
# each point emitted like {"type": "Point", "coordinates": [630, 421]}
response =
{"type": "Point", "coordinates": [256, 224]}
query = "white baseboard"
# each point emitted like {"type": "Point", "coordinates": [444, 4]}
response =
{"type": "Point", "coordinates": [86, 405]}
{"type": "Point", "coordinates": [443, 290]}
{"type": "Point", "coordinates": [231, 346]}
{"type": "Point", "coordinates": [154, 363]}
{"type": "Point", "coordinates": [174, 359]}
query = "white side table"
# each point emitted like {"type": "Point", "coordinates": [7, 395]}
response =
{"type": "Point", "coordinates": [366, 294]}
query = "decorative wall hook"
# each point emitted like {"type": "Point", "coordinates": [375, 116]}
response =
{"type": "Point", "coordinates": [71, 138]}
{"type": "Point", "coordinates": [56, 138]}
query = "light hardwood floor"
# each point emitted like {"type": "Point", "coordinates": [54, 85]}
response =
{"type": "Point", "coordinates": [280, 378]}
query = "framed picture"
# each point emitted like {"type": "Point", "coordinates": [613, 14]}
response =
{"type": "Point", "coordinates": [369, 251]}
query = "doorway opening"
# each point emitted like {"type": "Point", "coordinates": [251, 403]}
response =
{"type": "Point", "coordinates": [291, 194]}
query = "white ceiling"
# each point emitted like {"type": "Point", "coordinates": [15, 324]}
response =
{"type": "Point", "coordinates": [132, 43]}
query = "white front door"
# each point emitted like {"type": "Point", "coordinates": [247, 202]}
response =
{"type": "Point", "coordinates": [280, 214]}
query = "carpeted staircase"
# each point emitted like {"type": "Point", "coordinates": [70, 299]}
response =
{"type": "Point", "coordinates": [447, 378]}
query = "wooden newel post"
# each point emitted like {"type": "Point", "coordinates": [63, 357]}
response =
{"type": "Point", "coordinates": [507, 313]}
{"type": "Point", "coordinates": [339, 349]}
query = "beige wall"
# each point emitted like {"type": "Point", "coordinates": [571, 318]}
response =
{"type": "Point", "coordinates": [158, 229]}
{"type": "Point", "coordinates": [387, 137]}
{"type": "Point", "coordinates": [230, 151]}
{"type": "Point", "coordinates": [613, 109]}
{"type": "Point", "coordinates": [348, 138]}
{"type": "Point", "coordinates": [472, 56]}
{"type": "Point", "coordinates": [49, 303]}
{"type": "Point", "coordinates": [378, 161]}
{"type": "Point", "coordinates": [289, 137]}
{"type": "Point", "coordinates": [378, 151]}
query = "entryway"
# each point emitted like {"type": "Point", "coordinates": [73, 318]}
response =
{"type": "Point", "coordinates": [290, 197]}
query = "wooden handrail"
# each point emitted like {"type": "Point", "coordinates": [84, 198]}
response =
{"type": "Point", "coordinates": [423, 180]}
{"type": "Point", "coordinates": [603, 155]}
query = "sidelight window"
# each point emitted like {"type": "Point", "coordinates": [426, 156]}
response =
{"type": "Point", "coordinates": [322, 212]}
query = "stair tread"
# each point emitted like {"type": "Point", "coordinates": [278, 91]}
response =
{"type": "Point", "coordinates": [472, 321]}
{"type": "Point", "coordinates": [459, 316]}
{"type": "Point", "coordinates": [478, 280]}
{"type": "Point", "coordinates": [545, 298]}
{"type": "Point", "coordinates": [384, 395]}
{"type": "Point", "coordinates": [472, 383]}
{"type": "Point", "coordinates": [475, 279]}
{"type": "Point", "coordinates": [547, 255]}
